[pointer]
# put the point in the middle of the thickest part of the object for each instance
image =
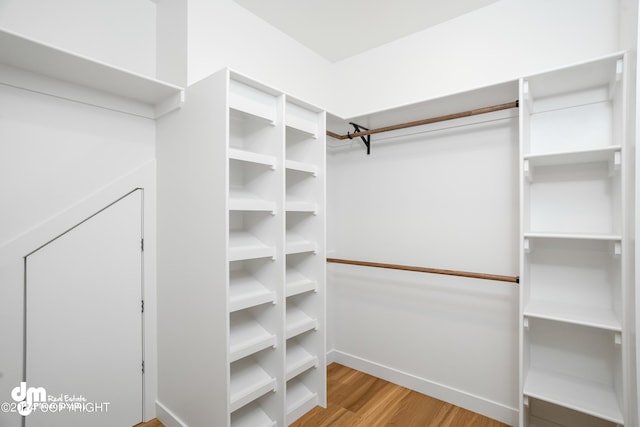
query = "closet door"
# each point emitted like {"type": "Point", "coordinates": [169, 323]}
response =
{"type": "Point", "coordinates": [84, 320]}
{"type": "Point", "coordinates": [573, 281]}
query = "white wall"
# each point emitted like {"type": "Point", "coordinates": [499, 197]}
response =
{"type": "Point", "coordinates": [500, 42]}
{"type": "Point", "coordinates": [118, 32]}
{"type": "Point", "coordinates": [223, 34]}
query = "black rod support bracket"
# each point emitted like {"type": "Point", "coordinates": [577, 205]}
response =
{"type": "Point", "coordinates": [366, 140]}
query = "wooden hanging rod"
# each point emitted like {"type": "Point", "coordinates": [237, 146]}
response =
{"type": "Point", "coordinates": [468, 113]}
{"type": "Point", "coordinates": [510, 279]}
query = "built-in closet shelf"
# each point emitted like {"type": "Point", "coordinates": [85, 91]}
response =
{"type": "Point", "coordinates": [574, 157]}
{"type": "Point", "coordinates": [579, 236]}
{"type": "Point", "coordinates": [242, 200]}
{"type": "Point", "coordinates": [249, 381]}
{"type": "Point", "coordinates": [298, 360]}
{"type": "Point", "coordinates": [297, 283]}
{"type": "Point", "coordinates": [40, 67]}
{"type": "Point", "coordinates": [297, 395]}
{"type": "Point", "coordinates": [251, 416]}
{"type": "Point", "coordinates": [301, 206]}
{"type": "Point", "coordinates": [298, 322]}
{"type": "Point", "coordinates": [294, 165]}
{"type": "Point", "coordinates": [251, 157]}
{"type": "Point", "coordinates": [246, 291]}
{"type": "Point", "coordinates": [244, 245]}
{"type": "Point", "coordinates": [247, 337]}
{"type": "Point", "coordinates": [589, 397]}
{"type": "Point", "coordinates": [309, 128]}
{"type": "Point", "coordinates": [594, 317]}
{"type": "Point", "coordinates": [296, 244]}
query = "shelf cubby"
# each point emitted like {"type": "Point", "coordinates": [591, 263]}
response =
{"type": "Point", "coordinates": [573, 109]}
{"type": "Point", "coordinates": [301, 232]}
{"type": "Point", "coordinates": [251, 186]}
{"type": "Point", "coordinates": [251, 235]}
{"type": "Point", "coordinates": [302, 120]}
{"type": "Point", "coordinates": [249, 381]}
{"type": "Point", "coordinates": [248, 335]}
{"type": "Point", "coordinates": [581, 198]}
{"type": "Point", "coordinates": [300, 398]}
{"type": "Point", "coordinates": [299, 359]}
{"type": "Point", "coordinates": [297, 283]}
{"type": "Point", "coordinates": [575, 281]}
{"type": "Point", "coordinates": [251, 415]}
{"type": "Point", "coordinates": [574, 366]}
{"type": "Point", "coordinates": [254, 101]}
{"type": "Point", "coordinates": [251, 283]}
{"type": "Point", "coordinates": [298, 322]}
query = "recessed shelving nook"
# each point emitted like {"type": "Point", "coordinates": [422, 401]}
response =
{"type": "Point", "coordinates": [261, 193]}
{"type": "Point", "coordinates": [573, 243]}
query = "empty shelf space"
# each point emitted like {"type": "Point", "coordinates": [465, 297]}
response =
{"type": "Point", "coordinates": [301, 206]}
{"type": "Point", "coordinates": [243, 200]}
{"type": "Point", "coordinates": [251, 416]}
{"type": "Point", "coordinates": [595, 317]}
{"type": "Point", "coordinates": [307, 127]}
{"type": "Point", "coordinates": [247, 336]}
{"type": "Point", "coordinates": [297, 244]}
{"type": "Point", "coordinates": [573, 157]}
{"type": "Point", "coordinates": [252, 101]}
{"type": "Point", "coordinates": [246, 291]}
{"type": "Point", "coordinates": [248, 382]}
{"type": "Point", "coordinates": [301, 167]}
{"type": "Point", "coordinates": [298, 360]}
{"type": "Point", "coordinates": [297, 395]}
{"type": "Point", "coordinates": [592, 398]}
{"type": "Point", "coordinates": [298, 283]}
{"type": "Point", "coordinates": [243, 245]}
{"type": "Point", "coordinates": [299, 322]}
{"type": "Point", "coordinates": [251, 157]}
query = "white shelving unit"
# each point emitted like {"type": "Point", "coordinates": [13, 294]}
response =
{"type": "Point", "coordinates": [305, 259]}
{"type": "Point", "coordinates": [255, 205]}
{"type": "Point", "coordinates": [573, 238]}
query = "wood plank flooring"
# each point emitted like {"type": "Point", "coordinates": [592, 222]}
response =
{"type": "Point", "coordinates": [356, 399]}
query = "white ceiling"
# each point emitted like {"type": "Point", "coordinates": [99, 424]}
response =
{"type": "Point", "coordinates": [338, 29]}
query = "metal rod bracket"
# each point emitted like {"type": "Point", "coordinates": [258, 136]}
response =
{"type": "Point", "coordinates": [366, 140]}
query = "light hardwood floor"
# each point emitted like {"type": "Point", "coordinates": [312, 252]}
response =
{"type": "Point", "coordinates": [356, 399]}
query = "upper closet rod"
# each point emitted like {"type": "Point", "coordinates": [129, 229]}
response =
{"type": "Point", "coordinates": [468, 113]}
{"type": "Point", "coordinates": [510, 279]}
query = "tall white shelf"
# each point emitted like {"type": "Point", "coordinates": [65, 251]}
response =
{"type": "Point", "coordinates": [259, 167]}
{"type": "Point", "coordinates": [573, 241]}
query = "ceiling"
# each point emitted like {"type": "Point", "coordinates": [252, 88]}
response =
{"type": "Point", "coordinates": [338, 29]}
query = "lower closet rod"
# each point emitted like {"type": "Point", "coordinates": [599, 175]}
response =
{"type": "Point", "coordinates": [510, 279]}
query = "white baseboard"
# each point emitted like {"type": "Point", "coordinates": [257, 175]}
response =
{"type": "Point", "coordinates": [468, 401]}
{"type": "Point", "coordinates": [168, 418]}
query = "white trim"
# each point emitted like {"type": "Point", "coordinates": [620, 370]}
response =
{"type": "Point", "coordinates": [488, 408]}
{"type": "Point", "coordinates": [168, 418]}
